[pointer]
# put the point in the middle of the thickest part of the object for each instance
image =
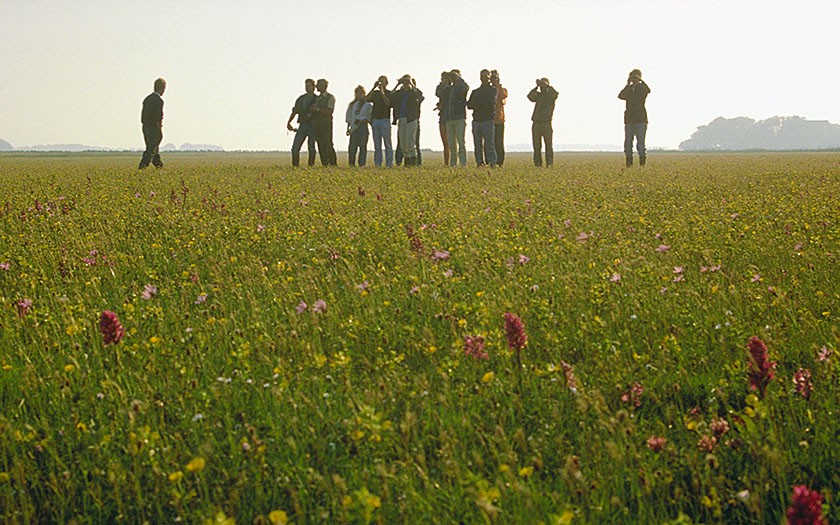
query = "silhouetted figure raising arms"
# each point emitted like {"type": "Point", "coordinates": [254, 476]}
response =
{"type": "Point", "coordinates": [442, 107]}
{"type": "Point", "coordinates": [324, 108]}
{"type": "Point", "coordinates": [456, 124]}
{"type": "Point", "coordinates": [304, 109]}
{"type": "Point", "coordinates": [358, 116]}
{"type": "Point", "coordinates": [152, 119]}
{"type": "Point", "coordinates": [543, 96]}
{"type": "Point", "coordinates": [635, 116]}
{"type": "Point", "coordinates": [381, 122]}
{"type": "Point", "coordinates": [483, 103]}
{"type": "Point", "coordinates": [406, 103]}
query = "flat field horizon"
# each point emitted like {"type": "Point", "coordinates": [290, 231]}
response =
{"type": "Point", "coordinates": [231, 340]}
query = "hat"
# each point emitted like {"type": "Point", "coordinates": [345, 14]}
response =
{"type": "Point", "coordinates": [404, 77]}
{"type": "Point", "coordinates": [543, 79]}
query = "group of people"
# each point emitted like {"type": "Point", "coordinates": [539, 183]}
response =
{"type": "Point", "coordinates": [378, 110]}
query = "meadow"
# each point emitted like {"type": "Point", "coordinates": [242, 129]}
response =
{"type": "Point", "coordinates": [585, 344]}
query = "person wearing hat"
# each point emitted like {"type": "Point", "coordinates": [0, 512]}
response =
{"type": "Point", "coordinates": [152, 120]}
{"type": "Point", "coordinates": [406, 102]}
{"type": "Point", "coordinates": [544, 97]}
{"type": "Point", "coordinates": [456, 123]}
{"type": "Point", "coordinates": [635, 116]}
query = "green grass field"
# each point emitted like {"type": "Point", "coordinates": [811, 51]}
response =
{"type": "Point", "coordinates": [329, 345]}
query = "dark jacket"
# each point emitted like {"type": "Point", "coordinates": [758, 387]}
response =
{"type": "Point", "coordinates": [458, 99]}
{"type": "Point", "coordinates": [442, 93]}
{"type": "Point", "coordinates": [303, 107]}
{"type": "Point", "coordinates": [544, 103]}
{"type": "Point", "coordinates": [483, 103]}
{"type": "Point", "coordinates": [152, 114]}
{"type": "Point", "coordinates": [635, 96]}
{"type": "Point", "coordinates": [381, 109]}
{"type": "Point", "coordinates": [414, 97]}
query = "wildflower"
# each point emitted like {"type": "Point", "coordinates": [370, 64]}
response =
{"type": "Point", "coordinates": [663, 248]}
{"type": "Point", "coordinates": [567, 223]}
{"type": "Point", "coordinates": [679, 278]}
{"type": "Point", "coordinates": [569, 374]}
{"type": "Point", "coordinates": [633, 396]}
{"type": "Point", "coordinates": [415, 241]}
{"type": "Point", "coordinates": [761, 368]}
{"type": "Point", "coordinates": [715, 268]}
{"type": "Point", "coordinates": [5, 266]}
{"type": "Point", "coordinates": [149, 291]}
{"type": "Point", "coordinates": [474, 347]}
{"type": "Point", "coordinates": [201, 298]}
{"type": "Point", "coordinates": [260, 228]}
{"type": "Point", "coordinates": [278, 517]}
{"type": "Point", "coordinates": [823, 354]}
{"type": "Point", "coordinates": [90, 260]}
{"type": "Point", "coordinates": [23, 307]}
{"type": "Point", "coordinates": [362, 286]}
{"type": "Point", "coordinates": [678, 269]}
{"type": "Point", "coordinates": [488, 377]}
{"type": "Point", "coordinates": [440, 255]}
{"type": "Point", "coordinates": [615, 277]}
{"type": "Point", "coordinates": [448, 273]}
{"type": "Point", "coordinates": [805, 507]}
{"type": "Point", "coordinates": [707, 443]}
{"type": "Point", "coordinates": [196, 464]}
{"type": "Point", "coordinates": [583, 236]}
{"type": "Point", "coordinates": [515, 331]}
{"type": "Point", "coordinates": [110, 327]}
{"type": "Point", "coordinates": [656, 444]}
{"type": "Point", "coordinates": [319, 307]}
{"type": "Point", "coordinates": [802, 382]}
{"type": "Point", "coordinates": [755, 278]}
{"type": "Point", "coordinates": [797, 247]}
{"type": "Point", "coordinates": [301, 307]}
{"type": "Point", "coordinates": [524, 259]}
{"type": "Point", "coordinates": [719, 427]}
{"type": "Point", "coordinates": [414, 290]}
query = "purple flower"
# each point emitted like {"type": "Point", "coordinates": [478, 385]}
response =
{"type": "Point", "coordinates": [474, 347]}
{"type": "Point", "coordinates": [23, 307]}
{"type": "Point", "coordinates": [515, 332]}
{"type": "Point", "coordinates": [761, 370]}
{"type": "Point", "coordinates": [615, 277]}
{"type": "Point", "coordinates": [110, 327]}
{"type": "Point", "coordinates": [201, 298]}
{"type": "Point", "coordinates": [678, 269]}
{"type": "Point", "coordinates": [633, 396]}
{"type": "Point", "coordinates": [414, 290]}
{"type": "Point", "coordinates": [5, 266]}
{"type": "Point", "coordinates": [524, 259]}
{"type": "Point", "coordinates": [656, 444]}
{"type": "Point", "coordinates": [301, 307]}
{"type": "Point", "coordinates": [583, 236]}
{"type": "Point", "coordinates": [440, 255]}
{"type": "Point", "coordinates": [802, 382]}
{"type": "Point", "coordinates": [707, 443]}
{"type": "Point", "coordinates": [90, 260]}
{"type": "Point", "coordinates": [319, 307]}
{"type": "Point", "coordinates": [448, 273]}
{"type": "Point", "coordinates": [260, 228]}
{"type": "Point", "coordinates": [755, 278]}
{"type": "Point", "coordinates": [806, 507]}
{"type": "Point", "coordinates": [363, 286]}
{"type": "Point", "coordinates": [663, 248]}
{"type": "Point", "coordinates": [823, 354]}
{"type": "Point", "coordinates": [149, 291]}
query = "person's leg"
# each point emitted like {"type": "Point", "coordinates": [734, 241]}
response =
{"type": "Point", "coordinates": [489, 142]}
{"type": "Point", "coordinates": [364, 134]}
{"type": "Point", "coordinates": [297, 143]}
{"type": "Point", "coordinates": [499, 141]}
{"type": "Point", "coordinates": [536, 141]}
{"type": "Point", "coordinates": [351, 149]}
{"type": "Point", "coordinates": [478, 152]}
{"type": "Point", "coordinates": [410, 144]}
{"type": "Point", "coordinates": [389, 150]}
{"type": "Point", "coordinates": [149, 151]}
{"type": "Point", "coordinates": [419, 155]}
{"type": "Point", "coordinates": [321, 138]}
{"type": "Point", "coordinates": [548, 134]}
{"type": "Point", "coordinates": [641, 135]}
{"type": "Point", "coordinates": [629, 131]}
{"type": "Point", "coordinates": [333, 158]}
{"type": "Point", "coordinates": [461, 137]}
{"type": "Point", "coordinates": [445, 140]}
{"type": "Point", "coordinates": [376, 127]}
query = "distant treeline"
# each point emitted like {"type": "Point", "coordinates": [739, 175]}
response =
{"type": "Point", "coordinates": [776, 133]}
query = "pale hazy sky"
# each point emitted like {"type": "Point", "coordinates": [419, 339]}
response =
{"type": "Point", "coordinates": [76, 71]}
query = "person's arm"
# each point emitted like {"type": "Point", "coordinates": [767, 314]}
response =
{"type": "Point", "coordinates": [551, 92]}
{"type": "Point", "coordinates": [625, 93]}
{"type": "Point", "coordinates": [533, 95]}
{"type": "Point", "coordinates": [289, 122]}
{"type": "Point", "coordinates": [645, 87]}
{"type": "Point", "coordinates": [365, 116]}
{"type": "Point", "coordinates": [471, 101]}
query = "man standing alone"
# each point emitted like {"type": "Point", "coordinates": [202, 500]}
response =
{"type": "Point", "coordinates": [543, 96]}
{"type": "Point", "coordinates": [483, 103]}
{"type": "Point", "coordinates": [324, 107]}
{"type": "Point", "coordinates": [635, 116]}
{"type": "Point", "coordinates": [152, 119]}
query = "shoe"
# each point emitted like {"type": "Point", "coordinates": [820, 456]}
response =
{"type": "Point", "coordinates": [642, 160]}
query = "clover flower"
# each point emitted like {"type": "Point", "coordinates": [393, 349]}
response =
{"type": "Point", "coordinates": [149, 291]}
{"type": "Point", "coordinates": [515, 332]}
{"type": "Point", "coordinates": [707, 443]}
{"type": "Point", "coordinates": [805, 507]}
{"type": "Point", "coordinates": [319, 307]}
{"type": "Point", "coordinates": [719, 427]}
{"type": "Point", "coordinates": [23, 307]}
{"type": "Point", "coordinates": [802, 382]}
{"type": "Point", "coordinates": [656, 444]}
{"type": "Point", "coordinates": [761, 368]}
{"type": "Point", "coordinates": [110, 327]}
{"type": "Point", "coordinates": [633, 396]}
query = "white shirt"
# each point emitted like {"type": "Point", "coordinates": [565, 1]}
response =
{"type": "Point", "coordinates": [359, 111]}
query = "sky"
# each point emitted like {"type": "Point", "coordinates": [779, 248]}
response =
{"type": "Point", "coordinates": [76, 71]}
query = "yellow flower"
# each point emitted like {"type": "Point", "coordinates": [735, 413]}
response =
{"type": "Point", "coordinates": [278, 517]}
{"type": "Point", "coordinates": [196, 464]}
{"type": "Point", "coordinates": [526, 472]}
{"type": "Point", "coordinates": [488, 377]}
{"type": "Point", "coordinates": [176, 476]}
{"type": "Point", "coordinates": [69, 368]}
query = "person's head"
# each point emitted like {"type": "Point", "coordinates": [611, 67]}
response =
{"type": "Point", "coordinates": [445, 78]}
{"type": "Point", "coordinates": [485, 76]}
{"type": "Point", "coordinates": [455, 73]}
{"type": "Point", "coordinates": [543, 83]}
{"type": "Point", "coordinates": [360, 93]}
{"type": "Point", "coordinates": [405, 80]}
{"type": "Point", "coordinates": [494, 77]}
{"type": "Point", "coordinates": [322, 85]}
{"type": "Point", "coordinates": [382, 81]}
{"type": "Point", "coordinates": [309, 84]}
{"type": "Point", "coordinates": [160, 86]}
{"type": "Point", "coordinates": [635, 76]}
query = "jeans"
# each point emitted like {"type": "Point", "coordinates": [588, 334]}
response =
{"type": "Point", "coordinates": [637, 131]}
{"type": "Point", "coordinates": [455, 134]}
{"type": "Point", "coordinates": [500, 143]}
{"type": "Point", "coordinates": [485, 144]}
{"type": "Point", "coordinates": [324, 137]}
{"type": "Point", "coordinates": [152, 136]}
{"type": "Point", "coordinates": [358, 141]}
{"type": "Point", "coordinates": [407, 133]}
{"type": "Point", "coordinates": [306, 131]}
{"type": "Point", "coordinates": [382, 134]}
{"type": "Point", "coordinates": [542, 132]}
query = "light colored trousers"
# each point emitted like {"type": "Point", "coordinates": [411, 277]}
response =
{"type": "Point", "coordinates": [455, 133]}
{"type": "Point", "coordinates": [407, 133]}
